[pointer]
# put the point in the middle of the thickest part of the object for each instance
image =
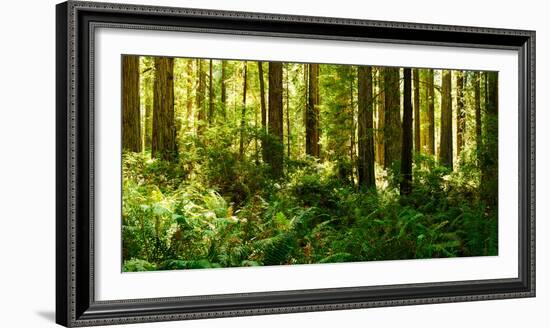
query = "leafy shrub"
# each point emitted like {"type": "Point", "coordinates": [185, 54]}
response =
{"type": "Point", "coordinates": [136, 265]}
{"type": "Point", "coordinates": [220, 211]}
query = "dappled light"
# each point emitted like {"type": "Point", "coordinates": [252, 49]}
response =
{"type": "Point", "coordinates": [235, 163]}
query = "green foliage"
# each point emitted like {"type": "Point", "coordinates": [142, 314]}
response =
{"type": "Point", "coordinates": [193, 264]}
{"type": "Point", "coordinates": [215, 206]}
{"type": "Point", "coordinates": [136, 265]}
{"type": "Point", "coordinates": [277, 249]}
{"type": "Point", "coordinates": [313, 217]}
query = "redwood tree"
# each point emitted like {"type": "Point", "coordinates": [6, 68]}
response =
{"type": "Point", "coordinates": [406, 145]}
{"type": "Point", "coordinates": [365, 163]}
{"type": "Point", "coordinates": [243, 112]}
{"type": "Point", "coordinates": [210, 94]}
{"type": "Point", "coordinates": [431, 112]}
{"type": "Point", "coordinates": [312, 112]}
{"type": "Point", "coordinates": [460, 113]}
{"type": "Point", "coordinates": [489, 172]}
{"type": "Point", "coordinates": [164, 131]}
{"type": "Point", "coordinates": [131, 119]}
{"type": "Point", "coordinates": [416, 80]}
{"type": "Point", "coordinates": [392, 124]}
{"type": "Point", "coordinates": [200, 95]}
{"type": "Point", "coordinates": [263, 108]}
{"type": "Point", "coordinates": [287, 111]}
{"type": "Point", "coordinates": [189, 89]}
{"type": "Point", "coordinates": [380, 117]}
{"type": "Point", "coordinates": [446, 136]}
{"type": "Point", "coordinates": [147, 78]}
{"type": "Point", "coordinates": [274, 151]}
{"type": "Point", "coordinates": [477, 104]}
{"type": "Point", "coordinates": [223, 88]}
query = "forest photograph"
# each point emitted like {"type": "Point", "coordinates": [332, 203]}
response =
{"type": "Point", "coordinates": [233, 163]}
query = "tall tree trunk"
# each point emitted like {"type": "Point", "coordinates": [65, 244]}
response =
{"type": "Point", "coordinates": [431, 112]}
{"type": "Point", "coordinates": [274, 152]}
{"type": "Point", "coordinates": [306, 94]}
{"type": "Point", "coordinates": [392, 116]}
{"type": "Point", "coordinates": [407, 144]}
{"type": "Point", "coordinates": [263, 108]}
{"type": "Point", "coordinates": [460, 113]}
{"type": "Point", "coordinates": [235, 101]}
{"type": "Point", "coordinates": [148, 122]}
{"type": "Point", "coordinates": [446, 136]}
{"type": "Point", "coordinates": [312, 112]}
{"type": "Point", "coordinates": [288, 135]}
{"type": "Point", "coordinates": [256, 153]}
{"type": "Point", "coordinates": [416, 78]}
{"type": "Point", "coordinates": [189, 90]}
{"type": "Point", "coordinates": [477, 103]}
{"type": "Point", "coordinates": [375, 106]}
{"type": "Point", "coordinates": [210, 95]}
{"type": "Point", "coordinates": [486, 89]}
{"type": "Point", "coordinates": [201, 90]}
{"type": "Point", "coordinates": [164, 130]}
{"type": "Point", "coordinates": [243, 113]}
{"type": "Point", "coordinates": [131, 115]}
{"type": "Point", "coordinates": [423, 110]}
{"type": "Point", "coordinates": [148, 94]}
{"type": "Point", "coordinates": [489, 172]}
{"type": "Point", "coordinates": [352, 127]}
{"type": "Point", "coordinates": [381, 110]}
{"type": "Point", "coordinates": [223, 89]}
{"type": "Point", "coordinates": [365, 164]}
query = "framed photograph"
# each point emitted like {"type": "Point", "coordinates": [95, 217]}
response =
{"type": "Point", "coordinates": [214, 163]}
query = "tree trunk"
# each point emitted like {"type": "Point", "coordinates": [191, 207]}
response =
{"type": "Point", "coordinates": [306, 95]}
{"type": "Point", "coordinates": [148, 94]}
{"type": "Point", "coordinates": [274, 153]}
{"type": "Point", "coordinates": [477, 104]}
{"type": "Point", "coordinates": [460, 113]}
{"type": "Point", "coordinates": [210, 95]}
{"type": "Point", "coordinates": [189, 90]}
{"type": "Point", "coordinates": [407, 144]}
{"type": "Point", "coordinates": [446, 137]}
{"type": "Point", "coordinates": [352, 127]}
{"type": "Point", "coordinates": [223, 89]}
{"type": "Point", "coordinates": [131, 116]}
{"type": "Point", "coordinates": [381, 119]}
{"type": "Point", "coordinates": [201, 90]}
{"type": "Point", "coordinates": [416, 78]}
{"type": "Point", "coordinates": [312, 112]}
{"type": "Point", "coordinates": [365, 164]}
{"type": "Point", "coordinates": [164, 130]}
{"type": "Point", "coordinates": [423, 110]}
{"type": "Point", "coordinates": [288, 135]}
{"type": "Point", "coordinates": [492, 104]}
{"type": "Point", "coordinates": [263, 108]}
{"type": "Point", "coordinates": [243, 113]}
{"type": "Point", "coordinates": [431, 112]}
{"type": "Point", "coordinates": [392, 116]}
{"type": "Point", "coordinates": [256, 153]}
{"type": "Point", "coordinates": [375, 106]}
{"type": "Point", "coordinates": [489, 172]}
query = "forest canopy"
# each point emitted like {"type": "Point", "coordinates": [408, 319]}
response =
{"type": "Point", "coordinates": [246, 163]}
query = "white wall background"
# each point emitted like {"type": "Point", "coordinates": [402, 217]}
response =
{"type": "Point", "coordinates": [27, 162]}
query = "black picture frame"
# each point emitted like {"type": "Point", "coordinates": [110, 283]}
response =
{"type": "Point", "coordinates": [75, 302]}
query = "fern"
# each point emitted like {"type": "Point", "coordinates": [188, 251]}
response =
{"type": "Point", "coordinates": [137, 265]}
{"type": "Point", "coordinates": [276, 250]}
{"type": "Point", "coordinates": [338, 257]}
{"type": "Point", "coordinates": [192, 264]}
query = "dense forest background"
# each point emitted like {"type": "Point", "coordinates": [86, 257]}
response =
{"type": "Point", "coordinates": [245, 163]}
